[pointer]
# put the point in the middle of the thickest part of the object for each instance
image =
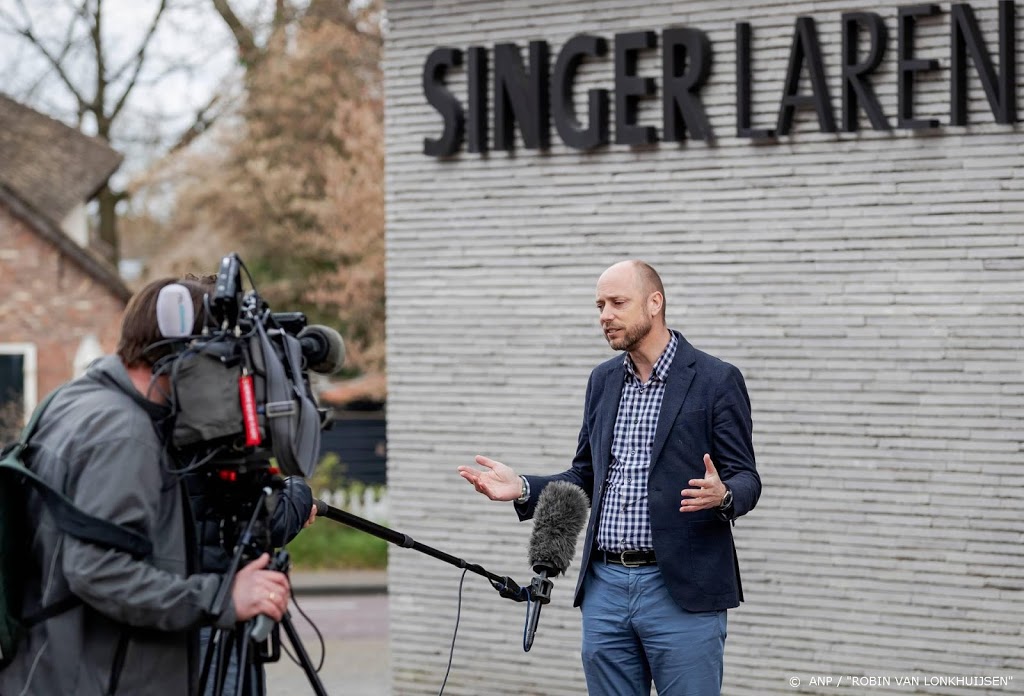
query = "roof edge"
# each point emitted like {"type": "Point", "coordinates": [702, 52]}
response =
{"type": "Point", "coordinates": [42, 225]}
{"type": "Point", "coordinates": [105, 180]}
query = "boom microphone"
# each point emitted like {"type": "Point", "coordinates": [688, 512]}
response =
{"type": "Point", "coordinates": [557, 521]}
{"type": "Point", "coordinates": [323, 348]}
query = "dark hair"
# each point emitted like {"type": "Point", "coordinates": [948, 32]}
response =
{"type": "Point", "coordinates": [139, 327]}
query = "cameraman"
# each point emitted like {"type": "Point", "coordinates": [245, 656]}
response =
{"type": "Point", "coordinates": [130, 625]}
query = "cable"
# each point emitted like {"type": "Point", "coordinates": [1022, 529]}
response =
{"type": "Point", "coordinates": [319, 635]}
{"type": "Point", "coordinates": [458, 616]}
{"type": "Point", "coordinates": [197, 463]}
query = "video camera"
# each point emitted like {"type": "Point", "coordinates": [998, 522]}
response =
{"type": "Point", "coordinates": [240, 391]}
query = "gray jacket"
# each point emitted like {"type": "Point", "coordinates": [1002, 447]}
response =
{"type": "Point", "coordinates": [98, 443]}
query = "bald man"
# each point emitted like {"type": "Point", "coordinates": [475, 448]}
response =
{"type": "Point", "coordinates": [665, 455]}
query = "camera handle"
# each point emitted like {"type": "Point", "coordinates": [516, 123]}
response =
{"type": "Point", "coordinates": [227, 295]}
{"type": "Point", "coordinates": [264, 624]}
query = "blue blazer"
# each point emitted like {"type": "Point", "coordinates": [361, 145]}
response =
{"type": "Point", "coordinates": [705, 409]}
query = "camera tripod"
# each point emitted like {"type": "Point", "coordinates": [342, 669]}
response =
{"type": "Point", "coordinates": [232, 659]}
{"type": "Point", "coordinates": [233, 652]}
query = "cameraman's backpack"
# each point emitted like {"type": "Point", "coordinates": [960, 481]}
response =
{"type": "Point", "coordinates": [16, 480]}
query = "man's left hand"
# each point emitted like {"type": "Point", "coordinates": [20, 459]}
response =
{"type": "Point", "coordinates": [705, 493]}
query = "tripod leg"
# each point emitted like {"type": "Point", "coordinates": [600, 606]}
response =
{"type": "Point", "coordinates": [209, 639]}
{"type": "Point", "coordinates": [221, 672]}
{"type": "Point", "coordinates": [300, 650]}
{"type": "Point", "coordinates": [243, 666]}
{"type": "Point", "coordinates": [224, 651]}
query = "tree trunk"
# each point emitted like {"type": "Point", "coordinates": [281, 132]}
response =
{"type": "Point", "coordinates": [109, 244]}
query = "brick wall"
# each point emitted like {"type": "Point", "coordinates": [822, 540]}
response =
{"type": "Point", "coordinates": [46, 299]}
{"type": "Point", "coordinates": [869, 286]}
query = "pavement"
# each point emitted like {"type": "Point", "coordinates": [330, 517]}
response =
{"type": "Point", "coordinates": [350, 608]}
{"type": "Point", "coordinates": [339, 582]}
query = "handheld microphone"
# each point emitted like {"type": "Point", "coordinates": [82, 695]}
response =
{"type": "Point", "coordinates": [557, 521]}
{"type": "Point", "coordinates": [323, 348]}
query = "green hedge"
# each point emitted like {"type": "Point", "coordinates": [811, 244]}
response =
{"type": "Point", "coordinates": [328, 544]}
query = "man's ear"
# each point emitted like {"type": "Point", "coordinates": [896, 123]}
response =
{"type": "Point", "coordinates": [655, 301]}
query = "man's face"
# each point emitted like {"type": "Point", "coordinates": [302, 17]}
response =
{"type": "Point", "coordinates": [625, 318]}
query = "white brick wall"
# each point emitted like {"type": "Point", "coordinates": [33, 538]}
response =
{"type": "Point", "coordinates": [868, 285]}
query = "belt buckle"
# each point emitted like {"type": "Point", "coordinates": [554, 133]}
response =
{"type": "Point", "coordinates": [627, 564]}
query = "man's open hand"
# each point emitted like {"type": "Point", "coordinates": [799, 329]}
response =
{"type": "Point", "coordinates": [496, 481]}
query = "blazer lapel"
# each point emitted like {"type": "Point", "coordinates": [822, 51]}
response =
{"type": "Point", "coordinates": [609, 411]}
{"type": "Point", "coordinates": [680, 376]}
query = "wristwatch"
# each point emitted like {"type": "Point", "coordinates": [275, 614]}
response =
{"type": "Point", "coordinates": [524, 490]}
{"type": "Point", "coordinates": [726, 500]}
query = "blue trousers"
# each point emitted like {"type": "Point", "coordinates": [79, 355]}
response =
{"type": "Point", "coordinates": [633, 632]}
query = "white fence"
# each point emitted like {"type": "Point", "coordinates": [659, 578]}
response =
{"type": "Point", "coordinates": [370, 502]}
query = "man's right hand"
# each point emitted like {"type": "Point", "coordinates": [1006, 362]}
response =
{"type": "Point", "coordinates": [497, 481]}
{"type": "Point", "coordinates": [258, 591]}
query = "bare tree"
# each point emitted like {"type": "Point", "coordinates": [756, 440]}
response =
{"type": "Point", "coordinates": [295, 176]}
{"type": "Point", "coordinates": [297, 180]}
{"type": "Point", "coordinates": [80, 64]}
{"type": "Point", "coordinates": [300, 183]}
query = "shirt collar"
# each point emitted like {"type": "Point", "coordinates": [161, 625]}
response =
{"type": "Point", "coordinates": [661, 365]}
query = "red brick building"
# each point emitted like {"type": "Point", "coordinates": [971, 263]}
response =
{"type": "Point", "coordinates": [60, 302]}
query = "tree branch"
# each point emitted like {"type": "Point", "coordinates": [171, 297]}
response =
{"type": "Point", "coordinates": [205, 118]}
{"type": "Point", "coordinates": [140, 58]}
{"type": "Point", "coordinates": [99, 99]}
{"type": "Point", "coordinates": [27, 32]}
{"type": "Point", "coordinates": [248, 52]}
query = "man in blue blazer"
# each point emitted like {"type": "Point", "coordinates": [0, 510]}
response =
{"type": "Point", "coordinates": [665, 455]}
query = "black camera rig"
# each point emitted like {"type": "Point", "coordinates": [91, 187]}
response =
{"type": "Point", "coordinates": [264, 357]}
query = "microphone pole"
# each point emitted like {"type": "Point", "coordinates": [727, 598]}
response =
{"type": "Point", "coordinates": [505, 585]}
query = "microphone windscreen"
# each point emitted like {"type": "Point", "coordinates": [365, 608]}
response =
{"type": "Point", "coordinates": [328, 354]}
{"type": "Point", "coordinates": [558, 519]}
{"type": "Point", "coordinates": [175, 313]}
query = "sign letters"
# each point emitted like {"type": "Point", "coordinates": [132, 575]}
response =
{"type": "Point", "coordinates": [530, 92]}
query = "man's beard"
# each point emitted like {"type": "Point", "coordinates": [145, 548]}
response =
{"type": "Point", "coordinates": [633, 336]}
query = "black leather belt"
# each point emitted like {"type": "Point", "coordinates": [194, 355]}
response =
{"type": "Point", "coordinates": [629, 559]}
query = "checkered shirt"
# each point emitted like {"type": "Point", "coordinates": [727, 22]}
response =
{"type": "Point", "coordinates": [625, 520]}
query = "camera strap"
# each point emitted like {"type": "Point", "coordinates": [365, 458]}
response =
{"type": "Point", "coordinates": [292, 420]}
